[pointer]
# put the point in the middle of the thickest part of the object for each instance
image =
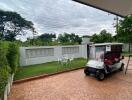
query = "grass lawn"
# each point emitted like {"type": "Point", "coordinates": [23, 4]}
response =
{"type": "Point", "coordinates": [47, 68]}
{"type": "Point", "coordinates": [126, 54]}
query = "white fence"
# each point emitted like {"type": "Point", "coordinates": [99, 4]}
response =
{"type": "Point", "coordinates": [126, 47]}
{"type": "Point", "coordinates": [43, 54]}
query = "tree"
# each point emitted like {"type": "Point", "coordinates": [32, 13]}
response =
{"type": "Point", "coordinates": [95, 38]}
{"type": "Point", "coordinates": [69, 38]}
{"type": "Point", "coordinates": [9, 36]}
{"type": "Point", "coordinates": [12, 24]}
{"type": "Point", "coordinates": [46, 37]}
{"type": "Point", "coordinates": [125, 30]}
{"type": "Point", "coordinates": [63, 38]}
{"type": "Point", "coordinates": [75, 38]}
{"type": "Point", "coordinates": [104, 36]}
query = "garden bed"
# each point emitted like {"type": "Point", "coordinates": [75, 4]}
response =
{"type": "Point", "coordinates": [48, 68]}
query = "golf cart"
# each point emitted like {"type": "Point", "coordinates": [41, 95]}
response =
{"type": "Point", "coordinates": [105, 58]}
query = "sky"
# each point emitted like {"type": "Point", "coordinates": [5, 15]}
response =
{"type": "Point", "coordinates": [59, 16]}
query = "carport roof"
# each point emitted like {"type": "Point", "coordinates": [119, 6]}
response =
{"type": "Point", "coordinates": [118, 7]}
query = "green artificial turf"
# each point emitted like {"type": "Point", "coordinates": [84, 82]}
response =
{"type": "Point", "coordinates": [48, 68]}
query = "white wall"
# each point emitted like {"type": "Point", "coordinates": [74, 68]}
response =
{"type": "Point", "coordinates": [85, 40]}
{"type": "Point", "coordinates": [43, 54]}
{"type": "Point", "coordinates": [126, 47]}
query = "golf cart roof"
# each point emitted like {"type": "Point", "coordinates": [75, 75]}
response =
{"type": "Point", "coordinates": [104, 44]}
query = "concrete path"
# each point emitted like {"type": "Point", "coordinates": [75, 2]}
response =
{"type": "Point", "coordinates": [75, 86]}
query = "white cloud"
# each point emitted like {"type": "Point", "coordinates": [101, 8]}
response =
{"type": "Point", "coordinates": [58, 16]}
{"type": "Point", "coordinates": [4, 6]}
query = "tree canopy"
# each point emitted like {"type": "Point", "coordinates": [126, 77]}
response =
{"type": "Point", "coordinates": [125, 30]}
{"type": "Point", "coordinates": [69, 38]}
{"type": "Point", "coordinates": [12, 24]}
{"type": "Point", "coordinates": [46, 37]}
{"type": "Point", "coordinates": [104, 36]}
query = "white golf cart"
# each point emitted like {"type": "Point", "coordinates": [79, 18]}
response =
{"type": "Point", "coordinates": [105, 58]}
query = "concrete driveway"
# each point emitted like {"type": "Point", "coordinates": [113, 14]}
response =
{"type": "Point", "coordinates": [75, 85]}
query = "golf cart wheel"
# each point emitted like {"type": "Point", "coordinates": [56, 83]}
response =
{"type": "Point", "coordinates": [86, 72]}
{"type": "Point", "coordinates": [100, 75]}
{"type": "Point", "coordinates": [122, 67]}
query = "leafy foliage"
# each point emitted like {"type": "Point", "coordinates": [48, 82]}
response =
{"type": "Point", "coordinates": [44, 39]}
{"type": "Point", "coordinates": [4, 68]}
{"type": "Point", "coordinates": [4, 74]}
{"type": "Point", "coordinates": [13, 56]}
{"type": "Point", "coordinates": [125, 30]}
{"type": "Point", "coordinates": [104, 36]}
{"type": "Point", "coordinates": [12, 24]}
{"type": "Point", "coordinates": [69, 39]}
{"type": "Point", "coordinates": [8, 62]}
{"type": "Point", "coordinates": [47, 39]}
{"type": "Point", "coordinates": [3, 59]}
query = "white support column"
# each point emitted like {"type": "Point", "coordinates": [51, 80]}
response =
{"type": "Point", "coordinates": [84, 51]}
{"type": "Point", "coordinates": [22, 56]}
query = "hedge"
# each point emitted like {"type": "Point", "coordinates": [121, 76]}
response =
{"type": "Point", "coordinates": [8, 62]}
{"type": "Point", "coordinates": [13, 56]}
{"type": "Point", "coordinates": [4, 68]}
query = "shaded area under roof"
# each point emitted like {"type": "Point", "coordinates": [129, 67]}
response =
{"type": "Point", "coordinates": [121, 8]}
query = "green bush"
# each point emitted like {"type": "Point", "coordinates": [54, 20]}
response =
{"type": "Point", "coordinates": [13, 56]}
{"type": "Point", "coordinates": [3, 60]}
{"type": "Point", "coordinates": [4, 68]}
{"type": "Point", "coordinates": [4, 74]}
{"type": "Point", "coordinates": [9, 57]}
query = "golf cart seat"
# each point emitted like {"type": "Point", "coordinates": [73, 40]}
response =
{"type": "Point", "coordinates": [111, 58]}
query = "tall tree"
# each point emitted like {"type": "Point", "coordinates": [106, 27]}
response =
{"type": "Point", "coordinates": [63, 38]}
{"type": "Point", "coordinates": [69, 38]}
{"type": "Point", "coordinates": [104, 36]}
{"type": "Point", "coordinates": [46, 37]}
{"type": "Point", "coordinates": [12, 24]}
{"type": "Point", "coordinates": [125, 30]}
{"type": "Point", "coordinates": [95, 38]}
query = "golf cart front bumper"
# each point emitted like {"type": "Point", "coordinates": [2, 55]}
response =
{"type": "Point", "coordinates": [90, 69]}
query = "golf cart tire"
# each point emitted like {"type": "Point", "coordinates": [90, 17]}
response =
{"type": "Point", "coordinates": [86, 72]}
{"type": "Point", "coordinates": [122, 67]}
{"type": "Point", "coordinates": [100, 75]}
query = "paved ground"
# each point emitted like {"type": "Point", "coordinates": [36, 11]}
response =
{"type": "Point", "coordinates": [75, 86]}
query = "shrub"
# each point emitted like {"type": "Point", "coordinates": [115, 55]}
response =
{"type": "Point", "coordinates": [13, 56]}
{"type": "Point", "coordinates": [4, 68]}
{"type": "Point", "coordinates": [4, 74]}
{"type": "Point", "coordinates": [9, 57]}
{"type": "Point", "coordinates": [3, 60]}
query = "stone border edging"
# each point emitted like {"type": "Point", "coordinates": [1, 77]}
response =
{"type": "Point", "coordinates": [43, 76]}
